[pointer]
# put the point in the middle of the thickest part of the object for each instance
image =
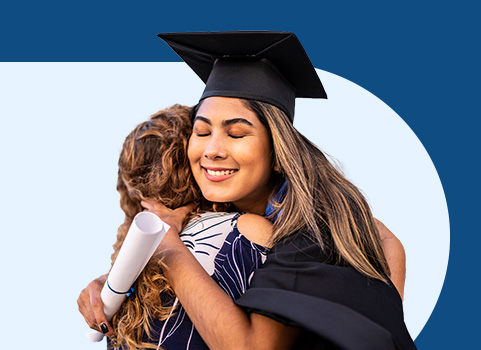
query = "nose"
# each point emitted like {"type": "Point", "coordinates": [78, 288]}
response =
{"type": "Point", "coordinates": [215, 148]}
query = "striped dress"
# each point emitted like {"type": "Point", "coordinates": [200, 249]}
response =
{"type": "Point", "coordinates": [227, 256]}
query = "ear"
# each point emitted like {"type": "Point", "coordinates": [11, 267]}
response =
{"type": "Point", "coordinates": [277, 169]}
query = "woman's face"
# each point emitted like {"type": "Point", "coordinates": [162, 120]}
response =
{"type": "Point", "coordinates": [230, 154]}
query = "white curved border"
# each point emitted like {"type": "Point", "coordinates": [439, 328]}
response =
{"type": "Point", "coordinates": [380, 153]}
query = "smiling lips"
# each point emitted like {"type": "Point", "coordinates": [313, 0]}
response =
{"type": "Point", "coordinates": [217, 174]}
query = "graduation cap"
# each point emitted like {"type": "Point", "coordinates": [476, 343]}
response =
{"type": "Point", "coordinates": [265, 66]}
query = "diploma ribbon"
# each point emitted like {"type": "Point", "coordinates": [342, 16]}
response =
{"type": "Point", "coordinates": [130, 293]}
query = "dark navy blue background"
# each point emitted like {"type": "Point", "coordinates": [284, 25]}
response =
{"type": "Point", "coordinates": [421, 58]}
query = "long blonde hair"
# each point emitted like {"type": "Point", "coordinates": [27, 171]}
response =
{"type": "Point", "coordinates": [319, 200]}
{"type": "Point", "coordinates": [153, 165]}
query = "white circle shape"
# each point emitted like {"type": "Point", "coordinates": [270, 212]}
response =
{"type": "Point", "coordinates": [382, 156]}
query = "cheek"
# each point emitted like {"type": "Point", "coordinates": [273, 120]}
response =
{"type": "Point", "coordinates": [259, 156]}
{"type": "Point", "coordinates": [192, 151]}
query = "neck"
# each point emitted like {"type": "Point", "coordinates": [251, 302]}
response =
{"type": "Point", "coordinates": [257, 207]}
{"type": "Point", "coordinates": [256, 204]}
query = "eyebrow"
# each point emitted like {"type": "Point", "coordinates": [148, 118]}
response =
{"type": "Point", "coordinates": [226, 122]}
{"type": "Point", "coordinates": [205, 120]}
{"type": "Point", "coordinates": [235, 121]}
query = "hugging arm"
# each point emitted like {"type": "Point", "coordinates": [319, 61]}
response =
{"type": "Point", "coordinates": [395, 256]}
{"type": "Point", "coordinates": [221, 323]}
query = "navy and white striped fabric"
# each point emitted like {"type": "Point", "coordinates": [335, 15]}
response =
{"type": "Point", "coordinates": [228, 256]}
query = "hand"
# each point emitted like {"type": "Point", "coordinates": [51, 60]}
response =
{"type": "Point", "coordinates": [91, 307]}
{"type": "Point", "coordinates": [384, 232]}
{"type": "Point", "coordinates": [173, 217]}
{"type": "Point", "coordinates": [395, 256]}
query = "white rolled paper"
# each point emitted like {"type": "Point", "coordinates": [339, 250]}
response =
{"type": "Point", "coordinates": [145, 234]}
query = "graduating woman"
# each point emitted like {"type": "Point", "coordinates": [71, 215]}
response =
{"type": "Point", "coordinates": [326, 283]}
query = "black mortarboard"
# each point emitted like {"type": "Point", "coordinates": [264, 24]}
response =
{"type": "Point", "coordinates": [266, 66]}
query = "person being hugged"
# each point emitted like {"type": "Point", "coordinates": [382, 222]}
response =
{"type": "Point", "coordinates": [153, 166]}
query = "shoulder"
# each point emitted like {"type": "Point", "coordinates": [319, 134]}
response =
{"type": "Point", "coordinates": [255, 228]}
{"type": "Point", "coordinates": [209, 220]}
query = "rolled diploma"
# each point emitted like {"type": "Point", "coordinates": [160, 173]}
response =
{"type": "Point", "coordinates": [145, 234]}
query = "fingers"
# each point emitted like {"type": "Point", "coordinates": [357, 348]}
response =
{"type": "Point", "coordinates": [146, 205]}
{"type": "Point", "coordinates": [174, 218]}
{"type": "Point", "coordinates": [84, 308]}
{"type": "Point", "coordinates": [384, 232]}
{"type": "Point", "coordinates": [92, 309]}
{"type": "Point", "coordinates": [187, 208]}
{"type": "Point", "coordinates": [162, 209]}
{"type": "Point", "coordinates": [156, 208]}
{"type": "Point", "coordinates": [102, 325]}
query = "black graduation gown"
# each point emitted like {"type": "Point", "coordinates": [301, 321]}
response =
{"type": "Point", "coordinates": [336, 306]}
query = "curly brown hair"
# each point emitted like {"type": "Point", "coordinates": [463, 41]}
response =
{"type": "Point", "coordinates": [153, 165]}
